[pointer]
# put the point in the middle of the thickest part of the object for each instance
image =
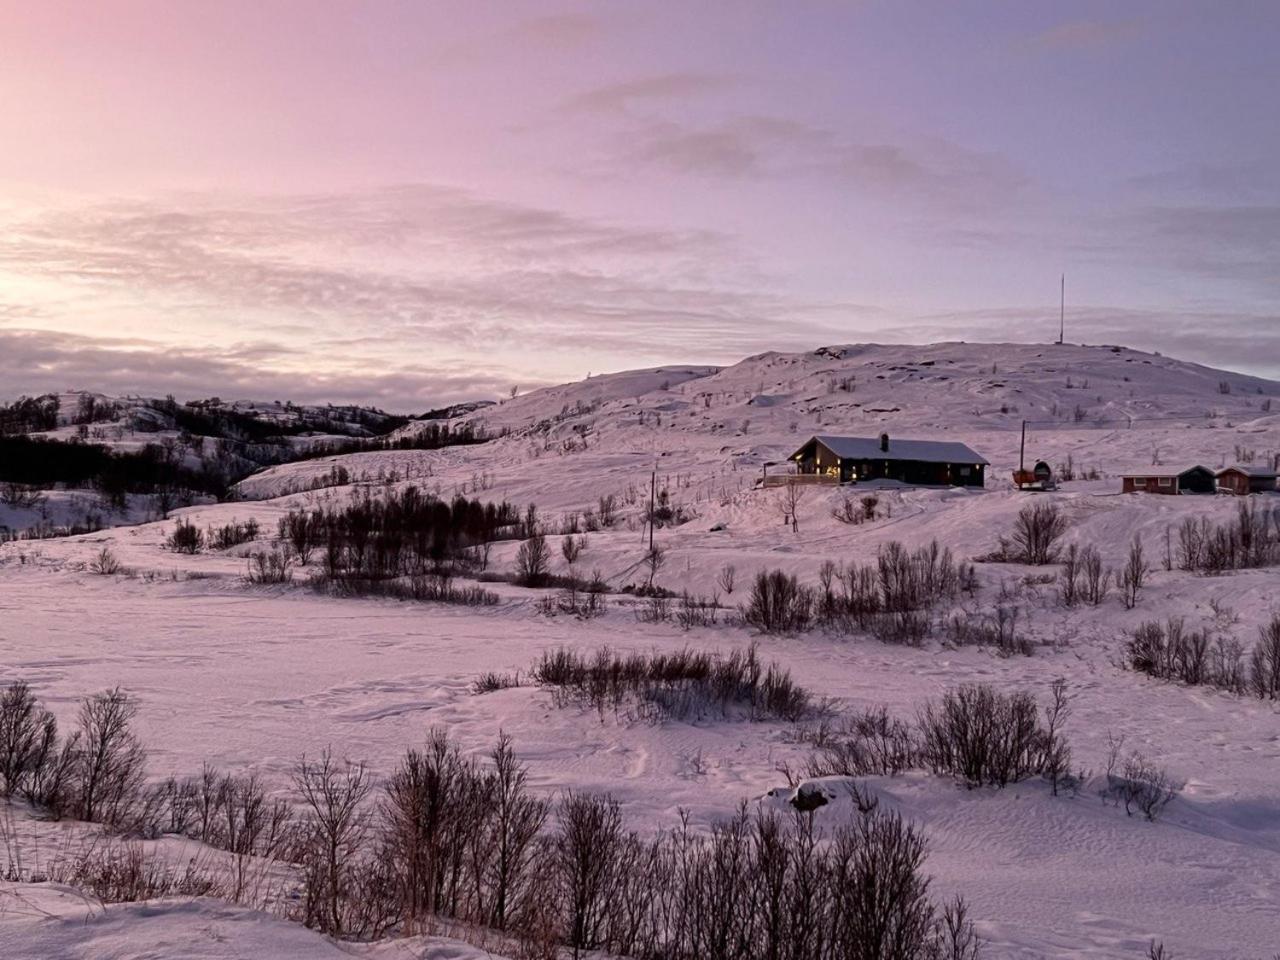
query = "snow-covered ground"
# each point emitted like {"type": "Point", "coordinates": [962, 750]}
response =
{"type": "Point", "coordinates": [249, 678]}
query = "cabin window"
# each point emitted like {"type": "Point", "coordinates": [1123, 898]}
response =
{"type": "Point", "coordinates": [1166, 481]}
{"type": "Point", "coordinates": [964, 471]}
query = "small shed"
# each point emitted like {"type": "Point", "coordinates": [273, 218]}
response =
{"type": "Point", "coordinates": [1243, 479]}
{"type": "Point", "coordinates": [1169, 480]}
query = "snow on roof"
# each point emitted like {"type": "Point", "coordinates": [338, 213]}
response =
{"type": "Point", "coordinates": [1250, 470]}
{"type": "Point", "coordinates": [1164, 471]}
{"type": "Point", "coordinates": [868, 448]}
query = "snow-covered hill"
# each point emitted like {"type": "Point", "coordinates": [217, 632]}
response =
{"type": "Point", "coordinates": [249, 677]}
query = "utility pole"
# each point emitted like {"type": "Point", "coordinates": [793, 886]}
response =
{"type": "Point", "coordinates": [653, 490]}
{"type": "Point", "coordinates": [1022, 448]}
{"type": "Point", "coordinates": [1062, 312]}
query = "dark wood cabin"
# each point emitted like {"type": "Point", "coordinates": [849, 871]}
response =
{"type": "Point", "coordinates": [1243, 479]}
{"type": "Point", "coordinates": [923, 462]}
{"type": "Point", "coordinates": [1170, 480]}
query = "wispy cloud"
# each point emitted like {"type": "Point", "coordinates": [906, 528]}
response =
{"type": "Point", "coordinates": [663, 87]}
{"type": "Point", "coordinates": [34, 361]}
{"type": "Point", "coordinates": [927, 170]}
{"type": "Point", "coordinates": [342, 288]}
{"type": "Point", "coordinates": [1084, 34]}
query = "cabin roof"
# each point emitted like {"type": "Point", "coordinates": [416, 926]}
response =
{"type": "Point", "coordinates": [1249, 470]}
{"type": "Point", "coordinates": [868, 448]}
{"type": "Point", "coordinates": [1164, 471]}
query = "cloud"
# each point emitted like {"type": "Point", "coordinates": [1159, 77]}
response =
{"type": "Point", "coordinates": [397, 287]}
{"type": "Point", "coordinates": [619, 96]}
{"type": "Point", "coordinates": [1084, 35]}
{"type": "Point", "coordinates": [36, 361]}
{"type": "Point", "coordinates": [568, 29]}
{"type": "Point", "coordinates": [1227, 243]}
{"type": "Point", "coordinates": [927, 170]}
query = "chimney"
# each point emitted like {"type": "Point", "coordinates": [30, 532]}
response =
{"type": "Point", "coordinates": [884, 442]}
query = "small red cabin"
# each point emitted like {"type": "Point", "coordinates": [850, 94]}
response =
{"type": "Point", "coordinates": [1169, 480]}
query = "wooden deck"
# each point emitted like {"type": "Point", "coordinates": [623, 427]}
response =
{"type": "Point", "coordinates": [785, 479]}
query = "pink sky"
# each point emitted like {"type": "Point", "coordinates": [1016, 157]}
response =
{"type": "Point", "coordinates": [417, 202]}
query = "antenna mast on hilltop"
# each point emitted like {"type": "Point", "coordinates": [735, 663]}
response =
{"type": "Point", "coordinates": [1062, 312]}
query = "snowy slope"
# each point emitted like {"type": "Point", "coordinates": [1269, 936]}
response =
{"type": "Point", "coordinates": [249, 678]}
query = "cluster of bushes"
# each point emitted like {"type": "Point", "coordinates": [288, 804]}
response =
{"type": "Point", "coordinates": [862, 510]}
{"type": "Point", "coordinates": [432, 436]}
{"type": "Point", "coordinates": [1251, 540]}
{"type": "Point", "coordinates": [232, 534]}
{"type": "Point", "coordinates": [1084, 578]}
{"type": "Point", "coordinates": [449, 837]}
{"type": "Point", "coordinates": [997, 630]}
{"type": "Point", "coordinates": [95, 772]}
{"type": "Point", "coordinates": [403, 533]}
{"type": "Point", "coordinates": [685, 684]}
{"type": "Point", "coordinates": [973, 733]}
{"type": "Point", "coordinates": [452, 838]}
{"type": "Point", "coordinates": [40, 462]}
{"type": "Point", "coordinates": [603, 515]}
{"type": "Point", "coordinates": [1171, 651]}
{"type": "Point", "coordinates": [891, 598]}
{"type": "Point", "coordinates": [190, 539]}
{"type": "Point", "coordinates": [29, 415]}
{"type": "Point", "coordinates": [431, 587]}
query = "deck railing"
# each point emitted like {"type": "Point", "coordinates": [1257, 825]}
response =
{"type": "Point", "coordinates": [784, 479]}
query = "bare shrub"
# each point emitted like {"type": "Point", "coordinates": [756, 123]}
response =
{"type": "Point", "coordinates": [847, 511]}
{"type": "Point", "coordinates": [533, 561]}
{"type": "Point", "coordinates": [1036, 533]}
{"type": "Point", "coordinates": [1138, 784]}
{"type": "Point", "coordinates": [232, 534]}
{"type": "Point", "coordinates": [1056, 750]}
{"type": "Point", "coordinates": [110, 766]}
{"type": "Point", "coordinates": [335, 828]}
{"type": "Point", "coordinates": [123, 872]}
{"type": "Point", "coordinates": [997, 630]}
{"type": "Point", "coordinates": [680, 685]}
{"type": "Point", "coordinates": [607, 509]}
{"type": "Point", "coordinates": [694, 611]}
{"type": "Point", "coordinates": [272, 567]}
{"type": "Point", "coordinates": [587, 849]}
{"type": "Point", "coordinates": [983, 736]}
{"type": "Point", "coordinates": [303, 532]}
{"type": "Point", "coordinates": [871, 743]}
{"type": "Point", "coordinates": [26, 730]}
{"type": "Point", "coordinates": [105, 563]}
{"type": "Point", "coordinates": [726, 578]}
{"type": "Point", "coordinates": [1096, 580]}
{"type": "Point", "coordinates": [1264, 663]}
{"type": "Point", "coordinates": [493, 681]}
{"type": "Point", "coordinates": [571, 549]}
{"type": "Point", "coordinates": [1134, 575]}
{"type": "Point", "coordinates": [778, 603]}
{"type": "Point", "coordinates": [186, 538]}
{"type": "Point", "coordinates": [516, 819]}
